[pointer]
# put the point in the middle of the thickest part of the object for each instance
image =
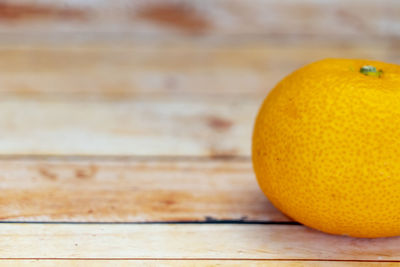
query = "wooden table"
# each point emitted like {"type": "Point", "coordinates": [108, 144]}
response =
{"type": "Point", "coordinates": [125, 129]}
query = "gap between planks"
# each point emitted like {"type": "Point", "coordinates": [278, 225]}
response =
{"type": "Point", "coordinates": [120, 158]}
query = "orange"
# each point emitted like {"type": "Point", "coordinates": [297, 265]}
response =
{"type": "Point", "coordinates": [326, 147]}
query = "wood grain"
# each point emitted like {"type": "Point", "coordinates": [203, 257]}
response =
{"type": "Point", "coordinates": [207, 241]}
{"type": "Point", "coordinates": [128, 190]}
{"type": "Point", "coordinates": [188, 263]}
{"type": "Point", "coordinates": [168, 19]}
{"type": "Point", "coordinates": [187, 126]}
{"type": "Point", "coordinates": [145, 110]}
{"type": "Point", "coordinates": [120, 69]}
{"type": "Point", "coordinates": [144, 100]}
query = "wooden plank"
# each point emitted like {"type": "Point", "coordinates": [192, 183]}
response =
{"type": "Point", "coordinates": [198, 241]}
{"type": "Point", "coordinates": [171, 18]}
{"type": "Point", "coordinates": [83, 100]}
{"type": "Point", "coordinates": [128, 190]}
{"type": "Point", "coordinates": [121, 69]}
{"type": "Point", "coordinates": [185, 126]}
{"type": "Point", "coordinates": [188, 263]}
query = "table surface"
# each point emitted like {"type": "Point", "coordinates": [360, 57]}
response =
{"type": "Point", "coordinates": [129, 142]}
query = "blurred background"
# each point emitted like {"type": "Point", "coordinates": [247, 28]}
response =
{"type": "Point", "coordinates": [165, 78]}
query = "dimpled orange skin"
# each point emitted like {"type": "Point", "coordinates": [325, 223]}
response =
{"type": "Point", "coordinates": [326, 147]}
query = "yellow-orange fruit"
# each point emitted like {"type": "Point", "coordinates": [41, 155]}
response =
{"type": "Point", "coordinates": [326, 147]}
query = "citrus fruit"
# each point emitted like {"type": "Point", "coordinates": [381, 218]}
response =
{"type": "Point", "coordinates": [326, 147]}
